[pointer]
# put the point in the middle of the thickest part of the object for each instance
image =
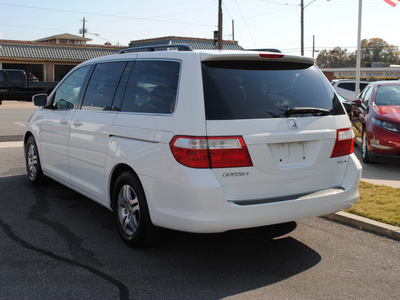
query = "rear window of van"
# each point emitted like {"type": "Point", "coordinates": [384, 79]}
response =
{"type": "Point", "coordinates": [254, 89]}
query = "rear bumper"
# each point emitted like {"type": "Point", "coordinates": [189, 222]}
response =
{"type": "Point", "coordinates": [197, 204]}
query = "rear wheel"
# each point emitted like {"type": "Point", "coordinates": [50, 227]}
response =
{"type": "Point", "coordinates": [131, 212]}
{"type": "Point", "coordinates": [32, 160]}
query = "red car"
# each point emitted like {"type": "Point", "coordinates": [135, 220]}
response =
{"type": "Point", "coordinates": [376, 115]}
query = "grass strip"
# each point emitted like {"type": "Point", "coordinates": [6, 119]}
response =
{"type": "Point", "coordinates": [378, 202]}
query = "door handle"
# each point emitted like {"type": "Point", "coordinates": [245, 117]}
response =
{"type": "Point", "coordinates": [64, 122]}
{"type": "Point", "coordinates": [77, 123]}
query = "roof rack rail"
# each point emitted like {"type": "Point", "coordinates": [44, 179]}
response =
{"type": "Point", "coordinates": [179, 47]}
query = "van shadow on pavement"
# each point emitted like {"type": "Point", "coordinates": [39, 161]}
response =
{"type": "Point", "coordinates": [79, 236]}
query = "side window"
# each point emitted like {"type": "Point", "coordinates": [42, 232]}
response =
{"type": "Point", "coordinates": [119, 94]}
{"type": "Point", "coordinates": [102, 86]}
{"type": "Point", "coordinates": [152, 87]}
{"type": "Point", "coordinates": [67, 94]}
{"type": "Point", "coordinates": [2, 81]}
{"type": "Point", "coordinates": [362, 95]}
{"type": "Point", "coordinates": [366, 95]}
{"type": "Point", "coordinates": [348, 86]}
{"type": "Point", "coordinates": [15, 78]}
{"type": "Point", "coordinates": [362, 86]}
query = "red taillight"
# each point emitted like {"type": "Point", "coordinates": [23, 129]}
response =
{"type": "Point", "coordinates": [344, 144]}
{"type": "Point", "coordinates": [210, 152]}
{"type": "Point", "coordinates": [190, 151]}
{"type": "Point", "coordinates": [271, 55]}
{"type": "Point", "coordinates": [226, 152]}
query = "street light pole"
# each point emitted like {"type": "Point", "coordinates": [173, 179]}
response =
{"type": "Point", "coordinates": [302, 7]}
{"type": "Point", "coordinates": [313, 45]}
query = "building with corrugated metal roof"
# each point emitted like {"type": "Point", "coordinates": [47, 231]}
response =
{"type": "Point", "coordinates": [195, 43]}
{"type": "Point", "coordinates": [65, 38]}
{"type": "Point", "coordinates": [51, 58]}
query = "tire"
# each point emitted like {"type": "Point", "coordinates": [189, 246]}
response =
{"type": "Point", "coordinates": [364, 148]}
{"type": "Point", "coordinates": [131, 212]}
{"type": "Point", "coordinates": [32, 160]}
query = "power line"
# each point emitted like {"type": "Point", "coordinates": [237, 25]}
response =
{"type": "Point", "coordinates": [33, 27]}
{"type": "Point", "coordinates": [105, 15]}
{"type": "Point", "coordinates": [245, 24]}
{"type": "Point", "coordinates": [277, 3]}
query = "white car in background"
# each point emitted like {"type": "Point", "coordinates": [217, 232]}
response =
{"type": "Point", "coordinates": [347, 88]}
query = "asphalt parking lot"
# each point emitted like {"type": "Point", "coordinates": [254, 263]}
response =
{"type": "Point", "coordinates": [58, 244]}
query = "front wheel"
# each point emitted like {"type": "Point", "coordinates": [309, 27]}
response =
{"type": "Point", "coordinates": [32, 160]}
{"type": "Point", "coordinates": [131, 212]}
{"type": "Point", "coordinates": [364, 148]}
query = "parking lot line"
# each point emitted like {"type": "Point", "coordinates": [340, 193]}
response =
{"type": "Point", "coordinates": [18, 144]}
{"type": "Point", "coordinates": [21, 124]}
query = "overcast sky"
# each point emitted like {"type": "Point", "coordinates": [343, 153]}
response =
{"type": "Point", "coordinates": [257, 23]}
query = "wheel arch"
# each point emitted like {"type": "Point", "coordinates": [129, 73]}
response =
{"type": "Point", "coordinates": [367, 132]}
{"type": "Point", "coordinates": [117, 171]}
{"type": "Point", "coordinates": [27, 135]}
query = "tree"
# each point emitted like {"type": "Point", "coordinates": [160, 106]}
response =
{"type": "Point", "coordinates": [377, 50]}
{"type": "Point", "coordinates": [372, 50]}
{"type": "Point", "coordinates": [335, 58]}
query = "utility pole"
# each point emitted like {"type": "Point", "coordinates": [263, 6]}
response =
{"type": "Point", "coordinates": [83, 27]}
{"type": "Point", "coordinates": [358, 60]}
{"type": "Point", "coordinates": [302, 27]}
{"type": "Point", "coordinates": [233, 30]}
{"type": "Point", "coordinates": [219, 24]}
{"type": "Point", "coordinates": [302, 7]}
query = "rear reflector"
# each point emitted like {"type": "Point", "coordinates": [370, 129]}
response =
{"type": "Point", "coordinates": [210, 152]}
{"type": "Point", "coordinates": [344, 144]}
{"type": "Point", "coordinates": [271, 55]}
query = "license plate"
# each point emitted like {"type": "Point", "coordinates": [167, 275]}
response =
{"type": "Point", "coordinates": [289, 151]}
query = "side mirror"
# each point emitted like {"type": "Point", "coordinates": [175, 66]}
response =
{"type": "Point", "coordinates": [356, 102]}
{"type": "Point", "coordinates": [40, 100]}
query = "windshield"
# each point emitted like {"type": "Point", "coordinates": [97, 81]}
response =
{"type": "Point", "coordinates": [388, 95]}
{"type": "Point", "coordinates": [253, 89]}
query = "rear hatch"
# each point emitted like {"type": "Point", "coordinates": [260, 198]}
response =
{"type": "Point", "coordinates": [288, 117]}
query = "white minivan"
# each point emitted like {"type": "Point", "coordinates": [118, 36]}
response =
{"type": "Point", "coordinates": [196, 141]}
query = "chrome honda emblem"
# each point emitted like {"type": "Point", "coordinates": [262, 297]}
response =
{"type": "Point", "coordinates": [293, 124]}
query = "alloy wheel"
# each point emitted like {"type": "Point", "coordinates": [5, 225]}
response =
{"type": "Point", "coordinates": [128, 209]}
{"type": "Point", "coordinates": [32, 161]}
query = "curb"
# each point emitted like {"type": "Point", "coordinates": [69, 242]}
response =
{"type": "Point", "coordinates": [365, 224]}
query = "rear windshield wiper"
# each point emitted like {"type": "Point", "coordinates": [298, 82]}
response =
{"type": "Point", "coordinates": [315, 111]}
{"type": "Point", "coordinates": [273, 114]}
